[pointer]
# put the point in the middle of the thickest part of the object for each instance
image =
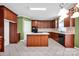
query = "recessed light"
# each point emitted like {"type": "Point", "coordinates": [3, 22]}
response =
{"type": "Point", "coordinates": [38, 8]}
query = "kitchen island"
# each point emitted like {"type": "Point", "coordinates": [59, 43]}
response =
{"type": "Point", "coordinates": [37, 39]}
{"type": "Point", "coordinates": [65, 37]}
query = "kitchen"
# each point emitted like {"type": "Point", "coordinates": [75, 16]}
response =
{"type": "Point", "coordinates": [64, 35]}
{"type": "Point", "coordinates": [35, 28]}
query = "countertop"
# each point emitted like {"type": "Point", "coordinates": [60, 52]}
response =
{"type": "Point", "coordinates": [41, 33]}
{"type": "Point", "coordinates": [65, 30]}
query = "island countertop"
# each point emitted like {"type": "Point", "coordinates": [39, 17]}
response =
{"type": "Point", "coordinates": [66, 30]}
{"type": "Point", "coordinates": [41, 33]}
{"type": "Point", "coordinates": [37, 39]}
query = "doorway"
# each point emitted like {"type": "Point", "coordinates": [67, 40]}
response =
{"type": "Point", "coordinates": [26, 28]}
{"type": "Point", "coordinates": [6, 32]}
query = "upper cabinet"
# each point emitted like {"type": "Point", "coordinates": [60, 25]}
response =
{"type": "Point", "coordinates": [43, 23]}
{"type": "Point", "coordinates": [34, 23]}
{"type": "Point", "coordinates": [67, 22]}
{"type": "Point", "coordinates": [73, 21]}
{"type": "Point", "coordinates": [8, 14]}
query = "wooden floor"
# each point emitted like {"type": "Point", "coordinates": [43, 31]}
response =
{"type": "Point", "coordinates": [54, 49]}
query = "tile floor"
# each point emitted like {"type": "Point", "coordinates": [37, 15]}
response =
{"type": "Point", "coordinates": [54, 49]}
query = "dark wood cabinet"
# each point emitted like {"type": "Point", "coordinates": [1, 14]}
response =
{"type": "Point", "coordinates": [13, 33]}
{"type": "Point", "coordinates": [1, 29]}
{"type": "Point", "coordinates": [1, 22]}
{"type": "Point", "coordinates": [53, 24]}
{"type": "Point", "coordinates": [37, 40]}
{"type": "Point", "coordinates": [10, 15]}
{"type": "Point", "coordinates": [66, 40]}
{"type": "Point", "coordinates": [34, 23]}
{"type": "Point", "coordinates": [69, 41]}
{"type": "Point", "coordinates": [1, 44]}
{"type": "Point", "coordinates": [43, 23]}
{"type": "Point", "coordinates": [54, 36]}
{"type": "Point", "coordinates": [67, 22]}
{"type": "Point", "coordinates": [6, 13]}
{"type": "Point", "coordinates": [73, 22]}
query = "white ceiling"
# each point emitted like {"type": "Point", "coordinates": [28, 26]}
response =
{"type": "Point", "coordinates": [22, 9]}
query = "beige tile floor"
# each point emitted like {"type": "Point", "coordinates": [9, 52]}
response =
{"type": "Point", "coordinates": [54, 49]}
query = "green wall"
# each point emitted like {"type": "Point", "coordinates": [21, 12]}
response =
{"type": "Point", "coordinates": [77, 32]}
{"type": "Point", "coordinates": [20, 25]}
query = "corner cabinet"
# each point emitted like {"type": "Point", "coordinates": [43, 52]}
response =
{"type": "Point", "coordinates": [67, 40]}
{"type": "Point", "coordinates": [9, 15]}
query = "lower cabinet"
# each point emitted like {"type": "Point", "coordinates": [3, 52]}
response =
{"type": "Point", "coordinates": [37, 40]}
{"type": "Point", "coordinates": [69, 40]}
{"type": "Point", "coordinates": [13, 33]}
{"type": "Point", "coordinates": [54, 36]}
{"type": "Point", "coordinates": [66, 40]}
{"type": "Point", "coordinates": [1, 44]}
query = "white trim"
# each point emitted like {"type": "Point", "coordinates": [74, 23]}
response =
{"type": "Point", "coordinates": [9, 21]}
{"type": "Point", "coordinates": [75, 47]}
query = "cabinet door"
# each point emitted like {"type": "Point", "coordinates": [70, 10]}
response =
{"type": "Point", "coordinates": [73, 21]}
{"type": "Point", "coordinates": [29, 40]}
{"type": "Point", "coordinates": [13, 33]}
{"type": "Point", "coordinates": [67, 22]}
{"type": "Point", "coordinates": [34, 23]}
{"type": "Point", "coordinates": [56, 37]}
{"type": "Point", "coordinates": [53, 24]}
{"type": "Point", "coordinates": [33, 40]}
{"type": "Point", "coordinates": [36, 40]}
{"type": "Point", "coordinates": [1, 44]}
{"type": "Point", "coordinates": [43, 40]}
{"type": "Point", "coordinates": [8, 14]}
{"type": "Point", "coordinates": [53, 35]}
{"type": "Point", "coordinates": [69, 41]}
{"type": "Point", "coordinates": [50, 34]}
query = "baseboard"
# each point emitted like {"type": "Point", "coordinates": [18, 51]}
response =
{"type": "Point", "coordinates": [21, 40]}
{"type": "Point", "coordinates": [75, 47]}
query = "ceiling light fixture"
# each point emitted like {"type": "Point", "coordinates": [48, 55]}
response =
{"type": "Point", "coordinates": [76, 12]}
{"type": "Point", "coordinates": [38, 8]}
{"type": "Point", "coordinates": [77, 5]}
{"type": "Point", "coordinates": [62, 10]}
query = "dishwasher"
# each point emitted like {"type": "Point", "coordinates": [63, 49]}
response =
{"type": "Point", "coordinates": [62, 39]}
